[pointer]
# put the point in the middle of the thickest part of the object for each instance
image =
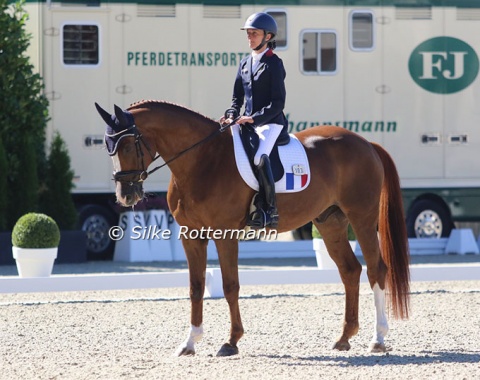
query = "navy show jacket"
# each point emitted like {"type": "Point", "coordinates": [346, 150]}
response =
{"type": "Point", "coordinates": [263, 91]}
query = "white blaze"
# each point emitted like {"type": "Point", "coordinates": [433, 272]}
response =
{"type": "Point", "coordinates": [116, 163]}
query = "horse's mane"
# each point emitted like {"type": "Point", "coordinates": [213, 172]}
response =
{"type": "Point", "coordinates": [163, 103]}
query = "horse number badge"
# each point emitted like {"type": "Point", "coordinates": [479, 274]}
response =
{"type": "Point", "coordinates": [298, 169]}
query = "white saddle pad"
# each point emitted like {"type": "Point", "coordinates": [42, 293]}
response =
{"type": "Point", "coordinates": [294, 160]}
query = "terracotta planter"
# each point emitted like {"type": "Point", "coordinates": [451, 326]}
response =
{"type": "Point", "coordinates": [34, 262]}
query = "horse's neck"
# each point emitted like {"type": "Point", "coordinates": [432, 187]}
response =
{"type": "Point", "coordinates": [177, 141]}
{"type": "Point", "coordinates": [202, 162]}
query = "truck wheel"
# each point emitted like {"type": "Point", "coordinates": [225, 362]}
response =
{"type": "Point", "coordinates": [96, 222]}
{"type": "Point", "coordinates": [428, 219]}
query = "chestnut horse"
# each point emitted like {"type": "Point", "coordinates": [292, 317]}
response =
{"type": "Point", "coordinates": [352, 181]}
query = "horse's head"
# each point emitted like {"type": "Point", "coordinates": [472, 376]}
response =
{"type": "Point", "coordinates": [126, 145]}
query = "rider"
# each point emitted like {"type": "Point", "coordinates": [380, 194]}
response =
{"type": "Point", "coordinates": [260, 82]}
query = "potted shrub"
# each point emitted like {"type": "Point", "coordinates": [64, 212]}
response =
{"type": "Point", "coordinates": [35, 239]}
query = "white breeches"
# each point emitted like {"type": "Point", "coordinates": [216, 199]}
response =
{"type": "Point", "coordinates": [268, 136]}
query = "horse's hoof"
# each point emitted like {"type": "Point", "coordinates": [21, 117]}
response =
{"type": "Point", "coordinates": [185, 351]}
{"type": "Point", "coordinates": [377, 347]}
{"type": "Point", "coordinates": [228, 350]}
{"type": "Point", "coordinates": [341, 346]}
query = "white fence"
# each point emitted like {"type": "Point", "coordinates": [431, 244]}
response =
{"type": "Point", "coordinates": [67, 283]}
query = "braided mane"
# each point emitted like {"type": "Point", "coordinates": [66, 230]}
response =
{"type": "Point", "coordinates": [163, 103]}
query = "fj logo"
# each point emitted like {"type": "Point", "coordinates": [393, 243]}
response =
{"type": "Point", "coordinates": [437, 60]}
{"type": "Point", "coordinates": [443, 65]}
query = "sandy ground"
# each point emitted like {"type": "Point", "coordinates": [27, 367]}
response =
{"type": "Point", "coordinates": [289, 331]}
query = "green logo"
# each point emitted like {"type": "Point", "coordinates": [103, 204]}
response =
{"type": "Point", "coordinates": [443, 65]}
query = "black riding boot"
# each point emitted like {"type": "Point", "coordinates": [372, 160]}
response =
{"type": "Point", "coordinates": [266, 214]}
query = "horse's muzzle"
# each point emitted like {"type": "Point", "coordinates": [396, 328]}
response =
{"type": "Point", "coordinates": [129, 186]}
{"type": "Point", "coordinates": [129, 195]}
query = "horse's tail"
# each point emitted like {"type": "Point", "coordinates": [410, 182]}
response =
{"type": "Point", "coordinates": [393, 238]}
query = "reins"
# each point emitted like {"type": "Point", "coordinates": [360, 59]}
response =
{"type": "Point", "coordinates": [142, 175]}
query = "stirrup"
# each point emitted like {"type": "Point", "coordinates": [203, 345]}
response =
{"type": "Point", "coordinates": [257, 219]}
{"type": "Point", "coordinates": [260, 219]}
{"type": "Point", "coordinates": [272, 219]}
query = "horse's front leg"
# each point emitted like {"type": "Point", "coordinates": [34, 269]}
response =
{"type": "Point", "coordinates": [228, 257]}
{"type": "Point", "coordinates": [196, 252]}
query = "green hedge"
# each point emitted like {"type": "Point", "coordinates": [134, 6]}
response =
{"type": "Point", "coordinates": [31, 183]}
{"type": "Point", "coordinates": [3, 187]}
{"type": "Point", "coordinates": [56, 199]}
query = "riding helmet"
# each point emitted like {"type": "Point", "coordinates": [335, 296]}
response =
{"type": "Point", "coordinates": [261, 21]}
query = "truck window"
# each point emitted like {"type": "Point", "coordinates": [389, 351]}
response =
{"type": "Point", "coordinates": [361, 31]}
{"type": "Point", "coordinates": [319, 52]}
{"type": "Point", "coordinates": [281, 19]}
{"type": "Point", "coordinates": [80, 44]}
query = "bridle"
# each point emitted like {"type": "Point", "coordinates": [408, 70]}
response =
{"type": "Point", "coordinates": [134, 177]}
{"type": "Point", "coordinates": [131, 177]}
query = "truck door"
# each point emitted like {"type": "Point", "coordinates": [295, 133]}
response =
{"type": "Point", "coordinates": [459, 60]}
{"type": "Point", "coordinates": [148, 42]}
{"type": "Point", "coordinates": [76, 71]}
{"type": "Point", "coordinates": [416, 144]}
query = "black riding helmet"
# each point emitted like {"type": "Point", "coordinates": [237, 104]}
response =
{"type": "Point", "coordinates": [265, 22]}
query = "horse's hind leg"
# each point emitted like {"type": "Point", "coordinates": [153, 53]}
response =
{"type": "Point", "coordinates": [228, 257]}
{"type": "Point", "coordinates": [366, 233]}
{"type": "Point", "coordinates": [196, 252]}
{"type": "Point", "coordinates": [333, 229]}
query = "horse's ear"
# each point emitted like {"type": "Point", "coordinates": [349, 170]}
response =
{"type": "Point", "coordinates": [122, 116]}
{"type": "Point", "coordinates": [107, 118]}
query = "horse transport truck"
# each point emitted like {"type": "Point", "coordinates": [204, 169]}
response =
{"type": "Point", "coordinates": [402, 73]}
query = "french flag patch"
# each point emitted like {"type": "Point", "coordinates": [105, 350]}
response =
{"type": "Point", "coordinates": [295, 182]}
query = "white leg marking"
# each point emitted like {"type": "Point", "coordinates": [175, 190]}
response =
{"type": "Point", "coordinates": [381, 323]}
{"type": "Point", "coordinates": [194, 335]}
